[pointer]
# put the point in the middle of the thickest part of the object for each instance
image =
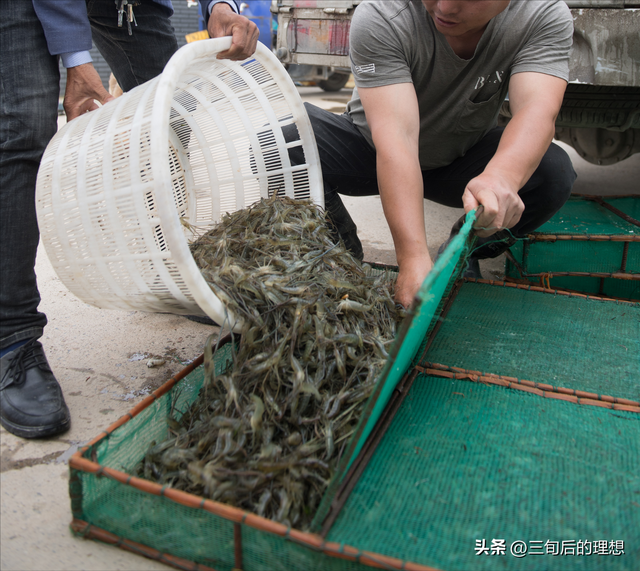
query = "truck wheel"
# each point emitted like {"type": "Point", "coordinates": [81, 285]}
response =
{"type": "Point", "coordinates": [602, 123]}
{"type": "Point", "coordinates": [335, 82]}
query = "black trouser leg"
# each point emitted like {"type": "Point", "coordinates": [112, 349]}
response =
{"type": "Point", "coordinates": [349, 167]}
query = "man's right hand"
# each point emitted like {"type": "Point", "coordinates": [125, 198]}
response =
{"type": "Point", "coordinates": [410, 277]}
{"type": "Point", "coordinates": [502, 206]}
{"type": "Point", "coordinates": [223, 21]}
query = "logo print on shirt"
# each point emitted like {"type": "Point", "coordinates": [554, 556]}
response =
{"type": "Point", "coordinates": [482, 81]}
{"type": "Point", "coordinates": [369, 68]}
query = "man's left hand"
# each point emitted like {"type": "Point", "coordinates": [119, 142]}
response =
{"type": "Point", "coordinates": [535, 100]}
{"type": "Point", "coordinates": [225, 22]}
{"type": "Point", "coordinates": [502, 205]}
{"type": "Point", "coordinates": [84, 88]}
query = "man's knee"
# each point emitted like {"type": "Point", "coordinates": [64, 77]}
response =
{"type": "Point", "coordinates": [556, 174]}
{"type": "Point", "coordinates": [314, 112]}
{"type": "Point", "coordinates": [546, 191]}
{"type": "Point", "coordinates": [323, 127]}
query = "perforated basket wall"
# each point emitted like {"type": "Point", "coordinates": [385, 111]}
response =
{"type": "Point", "coordinates": [592, 245]}
{"type": "Point", "coordinates": [118, 187]}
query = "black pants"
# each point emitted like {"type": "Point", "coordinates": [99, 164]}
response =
{"type": "Point", "coordinates": [349, 167]}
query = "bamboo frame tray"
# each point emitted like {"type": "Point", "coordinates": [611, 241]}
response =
{"type": "Point", "coordinates": [241, 540]}
{"type": "Point", "coordinates": [316, 552]}
{"type": "Point", "coordinates": [590, 246]}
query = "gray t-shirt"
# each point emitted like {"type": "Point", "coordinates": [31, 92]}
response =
{"type": "Point", "coordinates": [396, 41]}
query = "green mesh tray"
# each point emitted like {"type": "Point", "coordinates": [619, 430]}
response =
{"type": "Point", "coordinates": [176, 528]}
{"type": "Point", "coordinates": [590, 246]}
{"type": "Point", "coordinates": [465, 462]}
{"type": "Point", "coordinates": [560, 340]}
{"type": "Point", "coordinates": [438, 462]}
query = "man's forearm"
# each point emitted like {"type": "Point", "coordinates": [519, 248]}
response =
{"type": "Point", "coordinates": [393, 115]}
{"type": "Point", "coordinates": [401, 193]}
{"type": "Point", "coordinates": [523, 144]}
{"type": "Point", "coordinates": [535, 102]}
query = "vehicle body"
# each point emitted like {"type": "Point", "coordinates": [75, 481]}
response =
{"type": "Point", "coordinates": [262, 14]}
{"type": "Point", "coordinates": [600, 115]}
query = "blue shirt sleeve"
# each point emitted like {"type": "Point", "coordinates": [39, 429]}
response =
{"type": "Point", "coordinates": [65, 23]}
{"type": "Point", "coordinates": [74, 59]}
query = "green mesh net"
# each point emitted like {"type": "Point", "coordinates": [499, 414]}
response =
{"type": "Point", "coordinates": [558, 340]}
{"type": "Point", "coordinates": [464, 462]}
{"type": "Point", "coordinates": [590, 215]}
{"type": "Point", "coordinates": [157, 522]}
{"type": "Point", "coordinates": [421, 320]}
{"type": "Point", "coordinates": [582, 245]}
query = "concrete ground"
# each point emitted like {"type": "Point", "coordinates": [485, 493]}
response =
{"type": "Point", "coordinates": [100, 358]}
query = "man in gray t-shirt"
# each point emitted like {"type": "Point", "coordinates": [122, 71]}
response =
{"type": "Point", "coordinates": [431, 76]}
{"type": "Point", "coordinates": [459, 90]}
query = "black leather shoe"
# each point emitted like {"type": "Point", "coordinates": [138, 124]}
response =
{"type": "Point", "coordinates": [31, 401]}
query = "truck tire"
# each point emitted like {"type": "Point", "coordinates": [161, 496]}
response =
{"type": "Point", "coordinates": [335, 82]}
{"type": "Point", "coordinates": [602, 123]}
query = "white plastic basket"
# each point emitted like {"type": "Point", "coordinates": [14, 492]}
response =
{"type": "Point", "coordinates": [204, 138]}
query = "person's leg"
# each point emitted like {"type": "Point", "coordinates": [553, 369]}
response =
{"type": "Point", "coordinates": [543, 195]}
{"type": "Point", "coordinates": [29, 79]}
{"type": "Point", "coordinates": [141, 56]}
{"type": "Point", "coordinates": [31, 400]}
{"type": "Point", "coordinates": [348, 167]}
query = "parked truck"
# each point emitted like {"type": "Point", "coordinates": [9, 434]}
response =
{"type": "Point", "coordinates": [261, 13]}
{"type": "Point", "coordinates": [600, 115]}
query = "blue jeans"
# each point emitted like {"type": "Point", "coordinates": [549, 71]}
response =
{"type": "Point", "coordinates": [29, 80]}
{"type": "Point", "coordinates": [349, 167]}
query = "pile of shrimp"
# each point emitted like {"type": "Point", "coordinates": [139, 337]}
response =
{"type": "Point", "coordinates": [267, 435]}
